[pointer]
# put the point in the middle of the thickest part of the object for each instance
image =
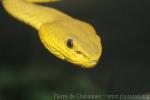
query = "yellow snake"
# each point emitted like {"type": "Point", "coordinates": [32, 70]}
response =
{"type": "Point", "coordinates": [67, 38]}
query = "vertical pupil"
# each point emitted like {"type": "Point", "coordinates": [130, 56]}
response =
{"type": "Point", "coordinates": [70, 43]}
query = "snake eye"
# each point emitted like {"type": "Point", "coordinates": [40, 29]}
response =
{"type": "Point", "coordinates": [70, 43]}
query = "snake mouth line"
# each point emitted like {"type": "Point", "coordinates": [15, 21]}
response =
{"type": "Point", "coordinates": [91, 62]}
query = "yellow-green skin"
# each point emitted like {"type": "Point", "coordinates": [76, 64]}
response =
{"type": "Point", "coordinates": [55, 28]}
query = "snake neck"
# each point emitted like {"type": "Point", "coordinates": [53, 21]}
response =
{"type": "Point", "coordinates": [33, 14]}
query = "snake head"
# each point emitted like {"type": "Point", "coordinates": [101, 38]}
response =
{"type": "Point", "coordinates": [72, 40]}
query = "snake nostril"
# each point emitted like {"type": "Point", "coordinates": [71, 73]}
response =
{"type": "Point", "coordinates": [79, 52]}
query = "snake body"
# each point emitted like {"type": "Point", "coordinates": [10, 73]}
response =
{"type": "Point", "coordinates": [66, 37]}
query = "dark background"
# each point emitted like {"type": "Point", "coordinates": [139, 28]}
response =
{"type": "Point", "coordinates": [29, 72]}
